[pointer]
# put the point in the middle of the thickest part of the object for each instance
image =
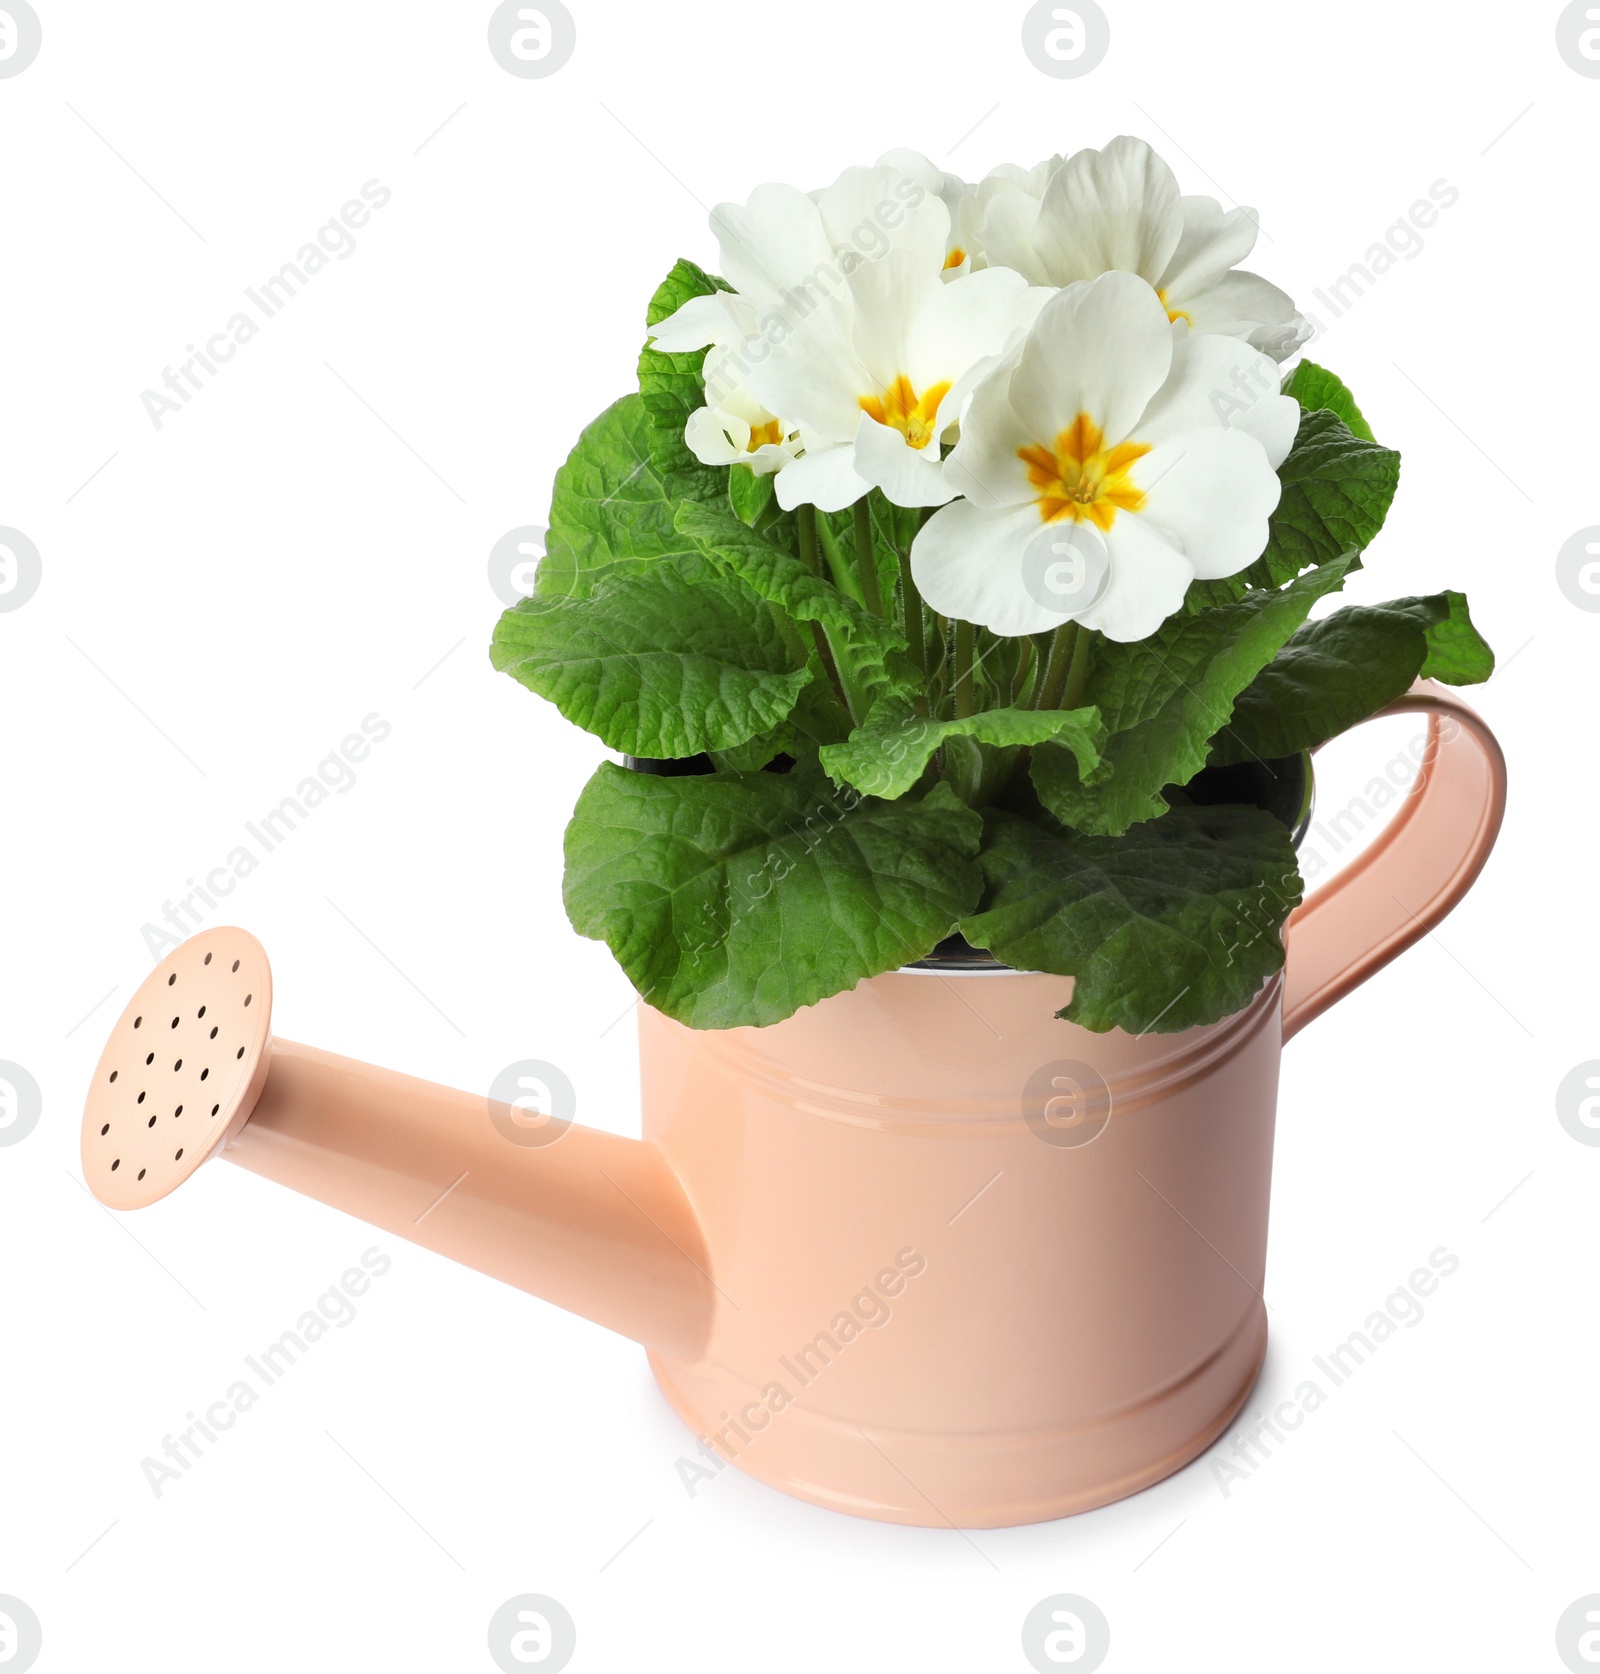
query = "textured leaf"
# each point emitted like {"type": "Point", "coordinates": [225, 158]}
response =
{"type": "Point", "coordinates": [613, 505]}
{"type": "Point", "coordinates": [817, 718]}
{"type": "Point", "coordinates": [1161, 699]}
{"type": "Point", "coordinates": [1315, 386]}
{"type": "Point", "coordinates": [673, 386]}
{"type": "Point", "coordinates": [753, 498]}
{"type": "Point", "coordinates": [870, 651]}
{"type": "Point", "coordinates": [886, 755]}
{"type": "Point", "coordinates": [1337, 489]}
{"type": "Point", "coordinates": [736, 898]}
{"type": "Point", "coordinates": [1457, 653]}
{"type": "Point", "coordinates": [1175, 923]}
{"type": "Point", "coordinates": [1337, 671]}
{"type": "Point", "coordinates": [656, 665]}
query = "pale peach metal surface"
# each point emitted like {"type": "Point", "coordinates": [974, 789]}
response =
{"type": "Point", "coordinates": [183, 1067]}
{"type": "Point", "coordinates": [1420, 865]}
{"type": "Point", "coordinates": [922, 1252]}
{"type": "Point", "coordinates": [593, 1222]}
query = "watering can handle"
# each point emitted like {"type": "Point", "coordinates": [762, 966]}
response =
{"type": "Point", "coordinates": [1404, 883]}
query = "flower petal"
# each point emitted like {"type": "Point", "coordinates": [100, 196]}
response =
{"type": "Point", "coordinates": [1006, 223]}
{"type": "Point", "coordinates": [1148, 579]}
{"type": "Point", "coordinates": [1102, 348]}
{"type": "Point", "coordinates": [772, 244]}
{"type": "Point", "coordinates": [1209, 494]}
{"type": "Point", "coordinates": [1274, 421]}
{"type": "Point", "coordinates": [889, 295]}
{"type": "Point", "coordinates": [1221, 382]}
{"type": "Point", "coordinates": [1243, 305]}
{"type": "Point", "coordinates": [887, 460]}
{"type": "Point", "coordinates": [914, 166]}
{"type": "Point", "coordinates": [1281, 341]}
{"type": "Point", "coordinates": [812, 374]}
{"type": "Point", "coordinates": [1214, 242]}
{"type": "Point", "coordinates": [1116, 208]}
{"type": "Point", "coordinates": [984, 465]}
{"type": "Point", "coordinates": [967, 321]}
{"type": "Point", "coordinates": [725, 386]}
{"type": "Point", "coordinates": [694, 324]}
{"type": "Point", "coordinates": [957, 196]}
{"type": "Point", "coordinates": [868, 212]}
{"type": "Point", "coordinates": [715, 436]}
{"type": "Point", "coordinates": [769, 457]}
{"type": "Point", "coordinates": [967, 562]}
{"type": "Point", "coordinates": [824, 477]}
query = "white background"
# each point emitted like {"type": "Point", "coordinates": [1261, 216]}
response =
{"type": "Point", "coordinates": [233, 592]}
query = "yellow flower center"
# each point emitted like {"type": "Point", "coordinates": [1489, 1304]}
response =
{"type": "Point", "coordinates": [772, 432]}
{"type": "Point", "coordinates": [904, 410]}
{"type": "Point", "coordinates": [1080, 479]}
{"type": "Point", "coordinates": [1173, 313]}
{"type": "Point", "coordinates": [956, 257]}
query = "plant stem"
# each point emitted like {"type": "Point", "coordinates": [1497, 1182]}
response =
{"type": "Point", "coordinates": [1063, 642]}
{"type": "Point", "coordinates": [1024, 669]}
{"type": "Point", "coordinates": [867, 558]}
{"type": "Point", "coordinates": [842, 571]}
{"type": "Point", "coordinates": [830, 667]}
{"type": "Point", "coordinates": [913, 604]}
{"type": "Point", "coordinates": [1078, 673]}
{"type": "Point", "coordinates": [805, 519]}
{"type": "Point", "coordinates": [963, 670]}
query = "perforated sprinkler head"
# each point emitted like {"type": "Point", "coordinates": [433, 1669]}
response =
{"type": "Point", "coordinates": [182, 1070]}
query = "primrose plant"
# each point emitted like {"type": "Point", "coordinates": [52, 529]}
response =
{"type": "Point", "coordinates": [956, 543]}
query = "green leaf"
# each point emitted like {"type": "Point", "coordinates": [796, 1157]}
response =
{"type": "Point", "coordinates": [1337, 671]}
{"type": "Point", "coordinates": [1337, 489]}
{"type": "Point", "coordinates": [656, 665]}
{"type": "Point", "coordinates": [753, 498]}
{"type": "Point", "coordinates": [1173, 924]}
{"type": "Point", "coordinates": [613, 505]}
{"type": "Point", "coordinates": [870, 652]}
{"type": "Point", "coordinates": [1457, 653]}
{"type": "Point", "coordinates": [753, 756]}
{"type": "Point", "coordinates": [737, 898]}
{"type": "Point", "coordinates": [673, 386]}
{"type": "Point", "coordinates": [886, 755]}
{"type": "Point", "coordinates": [754, 501]}
{"type": "Point", "coordinates": [1161, 699]}
{"type": "Point", "coordinates": [1316, 387]}
{"type": "Point", "coordinates": [817, 718]}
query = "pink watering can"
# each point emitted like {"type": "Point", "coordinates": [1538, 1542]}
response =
{"type": "Point", "coordinates": [922, 1252]}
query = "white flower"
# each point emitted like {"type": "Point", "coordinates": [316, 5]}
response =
{"type": "Point", "coordinates": [1145, 450]}
{"type": "Point", "coordinates": [963, 253]}
{"type": "Point", "coordinates": [733, 428]}
{"type": "Point", "coordinates": [841, 321]}
{"type": "Point", "coordinates": [773, 252]}
{"type": "Point", "coordinates": [1120, 209]}
{"type": "Point", "coordinates": [876, 381]}
{"type": "Point", "coordinates": [1005, 202]}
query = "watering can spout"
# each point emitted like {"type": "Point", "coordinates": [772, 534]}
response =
{"type": "Point", "coordinates": [593, 1222]}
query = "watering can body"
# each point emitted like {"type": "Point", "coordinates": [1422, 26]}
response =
{"type": "Point", "coordinates": [973, 1265]}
